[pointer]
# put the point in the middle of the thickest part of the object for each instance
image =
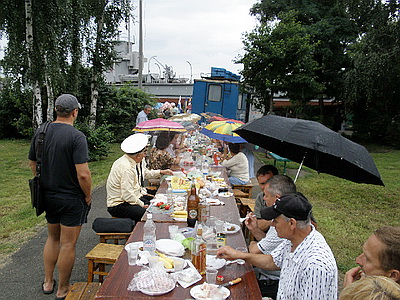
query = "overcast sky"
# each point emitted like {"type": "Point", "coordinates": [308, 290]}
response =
{"type": "Point", "coordinates": [204, 32]}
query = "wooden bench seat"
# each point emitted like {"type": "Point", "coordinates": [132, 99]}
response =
{"type": "Point", "coordinates": [83, 291]}
{"type": "Point", "coordinates": [116, 236]}
{"type": "Point", "coordinates": [100, 256]}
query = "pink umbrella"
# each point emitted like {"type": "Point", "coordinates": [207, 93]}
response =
{"type": "Point", "coordinates": [159, 125]}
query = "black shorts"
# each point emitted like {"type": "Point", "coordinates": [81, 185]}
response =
{"type": "Point", "coordinates": [68, 212]}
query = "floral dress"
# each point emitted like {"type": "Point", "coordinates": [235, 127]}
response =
{"type": "Point", "coordinates": [160, 159]}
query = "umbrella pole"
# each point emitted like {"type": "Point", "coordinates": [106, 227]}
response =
{"type": "Point", "coordinates": [298, 171]}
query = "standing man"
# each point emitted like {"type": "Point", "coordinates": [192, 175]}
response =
{"type": "Point", "coordinates": [142, 116]}
{"type": "Point", "coordinates": [308, 267]}
{"type": "Point", "coordinates": [66, 182]}
{"type": "Point", "coordinates": [380, 256]}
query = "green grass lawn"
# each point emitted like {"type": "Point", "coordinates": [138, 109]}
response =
{"type": "Point", "coordinates": [17, 219]}
{"type": "Point", "coordinates": [347, 213]}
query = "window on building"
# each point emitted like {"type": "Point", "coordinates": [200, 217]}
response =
{"type": "Point", "coordinates": [240, 101]}
{"type": "Point", "coordinates": [214, 93]}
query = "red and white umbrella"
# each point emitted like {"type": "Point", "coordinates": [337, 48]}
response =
{"type": "Point", "coordinates": [159, 124]}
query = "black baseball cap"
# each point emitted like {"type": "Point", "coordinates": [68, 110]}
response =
{"type": "Point", "coordinates": [292, 206]}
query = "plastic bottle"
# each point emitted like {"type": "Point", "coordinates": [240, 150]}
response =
{"type": "Point", "coordinates": [149, 235]}
{"type": "Point", "coordinates": [199, 248]}
{"type": "Point", "coordinates": [193, 206]}
{"type": "Point", "coordinates": [221, 236]}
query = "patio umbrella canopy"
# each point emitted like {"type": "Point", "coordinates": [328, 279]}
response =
{"type": "Point", "coordinates": [186, 117]}
{"type": "Point", "coordinates": [317, 146]}
{"type": "Point", "coordinates": [223, 130]}
{"type": "Point", "coordinates": [159, 125]}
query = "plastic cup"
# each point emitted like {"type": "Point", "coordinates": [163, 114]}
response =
{"type": "Point", "coordinates": [173, 230]}
{"type": "Point", "coordinates": [212, 248]}
{"type": "Point", "coordinates": [179, 263]}
{"type": "Point", "coordinates": [153, 261]}
{"type": "Point", "coordinates": [211, 275]}
{"type": "Point", "coordinates": [132, 255]}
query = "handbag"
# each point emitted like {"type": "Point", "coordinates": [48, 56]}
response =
{"type": "Point", "coordinates": [37, 198]}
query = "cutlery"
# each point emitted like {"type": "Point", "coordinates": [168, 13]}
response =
{"type": "Point", "coordinates": [241, 220]}
{"type": "Point", "coordinates": [232, 282]}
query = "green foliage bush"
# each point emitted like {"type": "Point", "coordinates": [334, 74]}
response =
{"type": "Point", "coordinates": [120, 107]}
{"type": "Point", "coordinates": [98, 139]}
{"type": "Point", "coordinates": [15, 112]}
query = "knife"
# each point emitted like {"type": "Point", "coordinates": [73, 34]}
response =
{"type": "Point", "coordinates": [232, 282]}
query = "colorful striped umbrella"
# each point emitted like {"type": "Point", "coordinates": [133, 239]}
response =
{"type": "Point", "coordinates": [223, 130]}
{"type": "Point", "coordinates": [159, 125]}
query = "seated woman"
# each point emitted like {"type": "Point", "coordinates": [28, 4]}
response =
{"type": "Point", "coordinates": [126, 195]}
{"type": "Point", "coordinates": [237, 165]}
{"type": "Point", "coordinates": [159, 158]}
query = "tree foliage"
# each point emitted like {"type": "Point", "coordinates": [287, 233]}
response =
{"type": "Point", "coordinates": [68, 36]}
{"type": "Point", "coordinates": [279, 58]}
{"type": "Point", "coordinates": [372, 83]}
{"type": "Point", "coordinates": [121, 105]}
{"type": "Point", "coordinates": [329, 30]}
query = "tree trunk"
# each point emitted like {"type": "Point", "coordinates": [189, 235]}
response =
{"type": "Point", "coordinates": [96, 68]}
{"type": "Point", "coordinates": [271, 103]}
{"type": "Point", "coordinates": [37, 113]}
{"type": "Point", "coordinates": [321, 110]}
{"type": "Point", "coordinates": [93, 101]}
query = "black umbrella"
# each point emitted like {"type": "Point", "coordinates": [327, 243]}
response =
{"type": "Point", "coordinates": [313, 144]}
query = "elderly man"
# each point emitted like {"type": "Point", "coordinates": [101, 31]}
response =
{"type": "Point", "coordinates": [142, 116]}
{"type": "Point", "coordinates": [126, 195]}
{"type": "Point", "coordinates": [308, 267]}
{"type": "Point", "coordinates": [274, 187]}
{"type": "Point", "coordinates": [380, 256]}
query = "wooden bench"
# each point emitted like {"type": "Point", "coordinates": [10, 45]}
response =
{"type": "Point", "coordinates": [116, 236]}
{"type": "Point", "coordinates": [242, 190]}
{"type": "Point", "coordinates": [83, 291]}
{"type": "Point", "coordinates": [246, 205]}
{"type": "Point", "coordinates": [100, 256]}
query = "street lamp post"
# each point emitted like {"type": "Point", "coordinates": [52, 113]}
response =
{"type": "Point", "coordinates": [191, 71]}
{"type": "Point", "coordinates": [148, 65]}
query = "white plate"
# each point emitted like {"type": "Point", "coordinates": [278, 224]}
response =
{"type": "Point", "coordinates": [173, 270]}
{"type": "Point", "coordinates": [197, 293]}
{"type": "Point", "coordinates": [213, 262]}
{"type": "Point", "coordinates": [225, 194]}
{"type": "Point", "coordinates": [170, 247]}
{"type": "Point", "coordinates": [213, 201]}
{"type": "Point", "coordinates": [170, 287]}
{"type": "Point", "coordinates": [231, 226]}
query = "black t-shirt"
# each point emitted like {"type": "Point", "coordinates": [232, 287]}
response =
{"type": "Point", "coordinates": [64, 147]}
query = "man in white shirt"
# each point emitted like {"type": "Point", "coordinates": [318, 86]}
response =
{"type": "Point", "coordinates": [126, 194]}
{"type": "Point", "coordinates": [308, 267]}
{"type": "Point", "coordinates": [274, 187]}
{"type": "Point", "coordinates": [142, 116]}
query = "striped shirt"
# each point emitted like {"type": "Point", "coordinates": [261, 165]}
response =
{"type": "Point", "coordinates": [266, 246]}
{"type": "Point", "coordinates": [309, 272]}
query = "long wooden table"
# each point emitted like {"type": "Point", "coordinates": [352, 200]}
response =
{"type": "Point", "coordinates": [116, 283]}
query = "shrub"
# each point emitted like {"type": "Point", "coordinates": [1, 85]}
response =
{"type": "Point", "coordinates": [120, 107]}
{"type": "Point", "coordinates": [98, 139]}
